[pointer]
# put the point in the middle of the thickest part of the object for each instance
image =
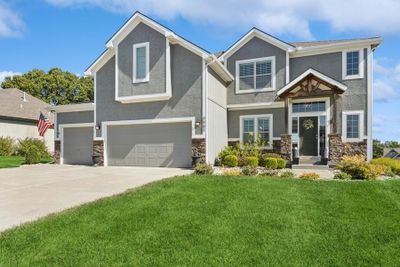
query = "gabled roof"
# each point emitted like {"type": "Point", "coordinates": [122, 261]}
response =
{"type": "Point", "coordinates": [254, 32]}
{"type": "Point", "coordinates": [391, 152]}
{"type": "Point", "coordinates": [304, 44]}
{"type": "Point", "coordinates": [316, 74]}
{"type": "Point", "coordinates": [18, 105]}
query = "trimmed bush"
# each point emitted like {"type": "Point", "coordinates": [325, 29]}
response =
{"type": "Point", "coordinates": [271, 163]}
{"type": "Point", "coordinates": [32, 155]}
{"type": "Point", "coordinates": [342, 176]}
{"type": "Point", "coordinates": [231, 172]}
{"type": "Point", "coordinates": [7, 146]}
{"type": "Point", "coordinates": [230, 161]}
{"type": "Point", "coordinates": [281, 163]}
{"type": "Point", "coordinates": [228, 150]}
{"type": "Point", "coordinates": [249, 171]}
{"type": "Point", "coordinates": [251, 161]}
{"type": "Point", "coordinates": [358, 168]}
{"type": "Point", "coordinates": [393, 164]}
{"type": "Point", "coordinates": [25, 144]}
{"type": "Point", "coordinates": [203, 169]}
{"type": "Point", "coordinates": [309, 176]}
{"type": "Point", "coordinates": [287, 174]}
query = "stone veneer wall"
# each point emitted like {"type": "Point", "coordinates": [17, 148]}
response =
{"type": "Point", "coordinates": [98, 150]}
{"type": "Point", "coordinates": [286, 146]}
{"type": "Point", "coordinates": [338, 149]}
{"type": "Point", "coordinates": [57, 151]}
{"type": "Point", "coordinates": [199, 148]}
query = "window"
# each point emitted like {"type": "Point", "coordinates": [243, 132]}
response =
{"type": "Point", "coordinates": [141, 63]}
{"type": "Point", "coordinates": [256, 128]}
{"type": "Point", "coordinates": [256, 75]}
{"type": "Point", "coordinates": [352, 126]}
{"type": "Point", "coordinates": [308, 107]}
{"type": "Point", "coordinates": [353, 64]}
{"type": "Point", "coordinates": [295, 125]}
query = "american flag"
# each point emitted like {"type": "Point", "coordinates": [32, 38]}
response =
{"type": "Point", "coordinates": [43, 124]}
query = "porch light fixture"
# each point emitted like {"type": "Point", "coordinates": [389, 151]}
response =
{"type": "Point", "coordinates": [97, 127]}
{"type": "Point", "coordinates": [197, 124]}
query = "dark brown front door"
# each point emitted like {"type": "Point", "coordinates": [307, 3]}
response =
{"type": "Point", "coordinates": [308, 136]}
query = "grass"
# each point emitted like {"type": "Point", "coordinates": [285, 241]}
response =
{"type": "Point", "coordinates": [16, 161]}
{"type": "Point", "coordinates": [213, 221]}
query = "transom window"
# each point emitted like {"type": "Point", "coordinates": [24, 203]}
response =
{"type": "Point", "coordinates": [141, 63]}
{"type": "Point", "coordinates": [352, 125]}
{"type": "Point", "coordinates": [257, 128]}
{"type": "Point", "coordinates": [353, 64]}
{"type": "Point", "coordinates": [255, 75]}
{"type": "Point", "coordinates": [308, 107]}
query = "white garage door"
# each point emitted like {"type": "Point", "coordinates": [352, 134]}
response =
{"type": "Point", "coordinates": [78, 145]}
{"type": "Point", "coordinates": [155, 145]}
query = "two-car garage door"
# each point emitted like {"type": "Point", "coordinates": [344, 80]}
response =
{"type": "Point", "coordinates": [155, 145]}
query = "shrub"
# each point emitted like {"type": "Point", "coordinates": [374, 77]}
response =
{"type": "Point", "coordinates": [309, 176]}
{"type": "Point", "coordinates": [25, 144]}
{"type": "Point", "coordinates": [342, 176]}
{"type": "Point", "coordinates": [393, 164]}
{"type": "Point", "coordinates": [249, 171]}
{"type": "Point", "coordinates": [249, 150]}
{"type": "Point", "coordinates": [262, 158]}
{"type": "Point", "coordinates": [230, 161]}
{"type": "Point", "coordinates": [203, 169]}
{"type": "Point", "coordinates": [251, 161]}
{"type": "Point", "coordinates": [358, 168]}
{"type": "Point", "coordinates": [7, 146]}
{"type": "Point", "coordinates": [231, 172]}
{"type": "Point", "coordinates": [288, 174]}
{"type": "Point", "coordinates": [228, 150]}
{"type": "Point", "coordinates": [32, 155]}
{"type": "Point", "coordinates": [281, 163]}
{"type": "Point", "coordinates": [270, 173]}
{"type": "Point", "coordinates": [271, 163]}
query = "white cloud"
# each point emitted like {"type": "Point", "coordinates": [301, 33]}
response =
{"type": "Point", "coordinates": [11, 24]}
{"type": "Point", "coordinates": [4, 74]}
{"type": "Point", "coordinates": [387, 82]}
{"type": "Point", "coordinates": [277, 17]}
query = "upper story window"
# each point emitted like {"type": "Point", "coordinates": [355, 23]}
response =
{"type": "Point", "coordinates": [141, 63]}
{"type": "Point", "coordinates": [255, 75]}
{"type": "Point", "coordinates": [353, 64]}
{"type": "Point", "coordinates": [256, 128]}
{"type": "Point", "coordinates": [352, 126]}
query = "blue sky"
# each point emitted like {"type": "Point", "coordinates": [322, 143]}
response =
{"type": "Point", "coordinates": [71, 33]}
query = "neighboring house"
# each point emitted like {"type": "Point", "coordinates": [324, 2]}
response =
{"type": "Point", "coordinates": [160, 98]}
{"type": "Point", "coordinates": [393, 153]}
{"type": "Point", "coordinates": [19, 115]}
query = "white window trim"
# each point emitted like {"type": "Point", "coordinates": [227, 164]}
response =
{"type": "Point", "coordinates": [147, 77]}
{"type": "Point", "coordinates": [255, 117]}
{"type": "Point", "coordinates": [255, 60]}
{"type": "Point", "coordinates": [360, 75]}
{"type": "Point", "coordinates": [360, 126]}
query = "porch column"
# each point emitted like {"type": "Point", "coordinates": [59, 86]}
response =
{"type": "Point", "coordinates": [334, 113]}
{"type": "Point", "coordinates": [286, 100]}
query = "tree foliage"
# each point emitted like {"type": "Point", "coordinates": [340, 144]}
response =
{"type": "Point", "coordinates": [56, 87]}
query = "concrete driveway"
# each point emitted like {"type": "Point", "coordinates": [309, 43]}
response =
{"type": "Point", "coordinates": [30, 192]}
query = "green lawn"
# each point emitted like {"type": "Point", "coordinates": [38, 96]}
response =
{"type": "Point", "coordinates": [16, 161]}
{"type": "Point", "coordinates": [213, 221]}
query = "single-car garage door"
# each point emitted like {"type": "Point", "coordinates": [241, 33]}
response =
{"type": "Point", "coordinates": [78, 145]}
{"type": "Point", "coordinates": [155, 145]}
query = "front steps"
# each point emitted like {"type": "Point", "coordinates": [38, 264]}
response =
{"type": "Point", "coordinates": [310, 163]}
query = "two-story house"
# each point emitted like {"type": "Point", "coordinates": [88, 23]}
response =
{"type": "Point", "coordinates": [159, 99]}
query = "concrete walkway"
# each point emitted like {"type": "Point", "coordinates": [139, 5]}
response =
{"type": "Point", "coordinates": [30, 192]}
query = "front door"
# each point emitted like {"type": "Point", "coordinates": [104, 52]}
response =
{"type": "Point", "coordinates": [308, 136]}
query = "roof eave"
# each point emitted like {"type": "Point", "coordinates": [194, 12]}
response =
{"type": "Point", "coordinates": [71, 107]}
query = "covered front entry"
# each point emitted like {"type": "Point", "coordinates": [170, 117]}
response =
{"type": "Point", "coordinates": [308, 136]}
{"type": "Point", "coordinates": [152, 145]}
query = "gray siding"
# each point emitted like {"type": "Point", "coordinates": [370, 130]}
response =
{"type": "Point", "coordinates": [257, 48]}
{"type": "Point", "coordinates": [355, 98]}
{"type": "Point", "coordinates": [186, 98]}
{"type": "Point", "coordinates": [234, 120]}
{"type": "Point", "coordinates": [74, 117]}
{"type": "Point", "coordinates": [78, 145]}
{"type": "Point", "coordinates": [157, 48]}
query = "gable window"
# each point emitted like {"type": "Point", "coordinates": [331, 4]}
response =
{"type": "Point", "coordinates": [352, 126]}
{"type": "Point", "coordinates": [141, 63]}
{"type": "Point", "coordinates": [353, 64]}
{"type": "Point", "coordinates": [256, 128]}
{"type": "Point", "coordinates": [255, 75]}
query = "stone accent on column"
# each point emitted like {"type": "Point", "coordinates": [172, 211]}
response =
{"type": "Point", "coordinates": [338, 149]}
{"type": "Point", "coordinates": [355, 148]}
{"type": "Point", "coordinates": [98, 150]}
{"type": "Point", "coordinates": [199, 148]}
{"type": "Point", "coordinates": [286, 146]}
{"type": "Point", "coordinates": [57, 151]}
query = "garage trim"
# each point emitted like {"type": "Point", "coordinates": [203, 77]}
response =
{"type": "Point", "coordinates": [105, 124]}
{"type": "Point", "coordinates": [69, 125]}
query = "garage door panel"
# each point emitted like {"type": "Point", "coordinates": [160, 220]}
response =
{"type": "Point", "coordinates": [78, 145]}
{"type": "Point", "coordinates": [159, 145]}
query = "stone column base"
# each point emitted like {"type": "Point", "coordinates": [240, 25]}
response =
{"type": "Point", "coordinates": [199, 148]}
{"type": "Point", "coordinates": [286, 146]}
{"type": "Point", "coordinates": [98, 151]}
